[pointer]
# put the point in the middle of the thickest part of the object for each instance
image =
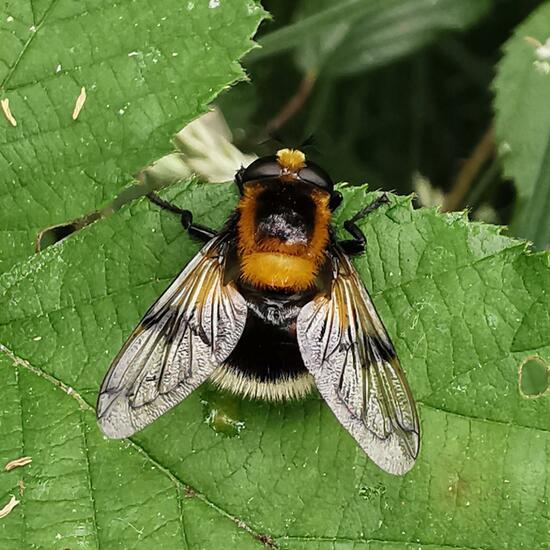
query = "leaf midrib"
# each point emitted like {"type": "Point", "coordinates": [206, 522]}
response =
{"type": "Point", "coordinates": [85, 448]}
{"type": "Point", "coordinates": [377, 541]}
{"type": "Point", "coordinates": [178, 484]}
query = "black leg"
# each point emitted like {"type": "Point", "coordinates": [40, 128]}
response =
{"type": "Point", "coordinates": [195, 230]}
{"type": "Point", "coordinates": [357, 244]}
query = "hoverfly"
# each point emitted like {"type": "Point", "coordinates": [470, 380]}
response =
{"type": "Point", "coordinates": [270, 308]}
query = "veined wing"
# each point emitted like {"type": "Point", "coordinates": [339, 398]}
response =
{"type": "Point", "coordinates": [347, 350]}
{"type": "Point", "coordinates": [185, 335]}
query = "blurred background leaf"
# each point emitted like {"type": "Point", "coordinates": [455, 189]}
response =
{"type": "Point", "coordinates": [342, 38]}
{"type": "Point", "coordinates": [522, 107]}
{"type": "Point", "coordinates": [395, 92]}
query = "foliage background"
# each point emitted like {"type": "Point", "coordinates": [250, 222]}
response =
{"type": "Point", "coordinates": [409, 95]}
{"type": "Point", "coordinates": [405, 95]}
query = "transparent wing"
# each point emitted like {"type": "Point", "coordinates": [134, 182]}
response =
{"type": "Point", "coordinates": [185, 335]}
{"type": "Point", "coordinates": [346, 348]}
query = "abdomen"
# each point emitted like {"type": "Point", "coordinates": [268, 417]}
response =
{"type": "Point", "coordinates": [266, 363]}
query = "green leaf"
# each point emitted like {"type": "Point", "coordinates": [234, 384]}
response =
{"type": "Point", "coordinates": [339, 39]}
{"type": "Point", "coordinates": [399, 29]}
{"type": "Point", "coordinates": [290, 36]}
{"type": "Point", "coordinates": [522, 89]}
{"type": "Point", "coordinates": [464, 306]}
{"type": "Point", "coordinates": [82, 491]}
{"type": "Point", "coordinates": [148, 68]}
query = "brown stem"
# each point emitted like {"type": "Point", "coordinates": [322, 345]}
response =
{"type": "Point", "coordinates": [470, 169]}
{"type": "Point", "coordinates": [294, 104]}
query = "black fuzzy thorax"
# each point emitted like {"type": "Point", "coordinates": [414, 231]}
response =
{"type": "Point", "coordinates": [286, 212]}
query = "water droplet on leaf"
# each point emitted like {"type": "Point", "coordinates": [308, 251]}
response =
{"type": "Point", "coordinates": [221, 411]}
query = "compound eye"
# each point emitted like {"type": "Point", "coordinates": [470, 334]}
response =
{"type": "Point", "coordinates": [262, 168]}
{"type": "Point", "coordinates": [315, 175]}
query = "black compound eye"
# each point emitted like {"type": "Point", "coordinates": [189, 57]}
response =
{"type": "Point", "coordinates": [262, 168]}
{"type": "Point", "coordinates": [315, 175]}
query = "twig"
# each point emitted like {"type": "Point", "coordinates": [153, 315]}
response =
{"type": "Point", "coordinates": [294, 104]}
{"type": "Point", "coordinates": [470, 169]}
{"type": "Point", "coordinates": [484, 183]}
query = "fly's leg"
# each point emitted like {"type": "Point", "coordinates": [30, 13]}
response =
{"type": "Point", "coordinates": [358, 243]}
{"type": "Point", "coordinates": [195, 230]}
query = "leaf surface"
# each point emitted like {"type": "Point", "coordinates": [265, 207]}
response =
{"type": "Point", "coordinates": [147, 70]}
{"type": "Point", "coordinates": [465, 307]}
{"type": "Point", "coordinates": [81, 491]}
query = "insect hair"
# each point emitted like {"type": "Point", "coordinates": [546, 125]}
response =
{"type": "Point", "coordinates": [230, 379]}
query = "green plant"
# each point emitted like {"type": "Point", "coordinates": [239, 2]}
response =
{"type": "Point", "coordinates": [466, 306]}
{"type": "Point", "coordinates": [522, 109]}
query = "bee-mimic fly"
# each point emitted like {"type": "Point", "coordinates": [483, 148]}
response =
{"type": "Point", "coordinates": [270, 308]}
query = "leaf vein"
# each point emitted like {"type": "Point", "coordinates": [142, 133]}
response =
{"type": "Point", "coordinates": [178, 483]}
{"type": "Point", "coordinates": [29, 41]}
{"type": "Point", "coordinates": [85, 451]}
